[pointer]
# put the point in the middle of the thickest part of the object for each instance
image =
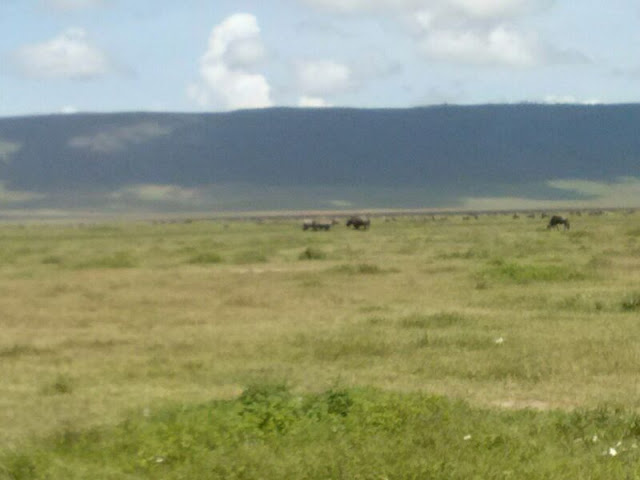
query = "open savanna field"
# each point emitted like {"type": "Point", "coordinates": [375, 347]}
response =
{"type": "Point", "coordinates": [444, 347]}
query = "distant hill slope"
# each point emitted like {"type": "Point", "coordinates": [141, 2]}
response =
{"type": "Point", "coordinates": [484, 150]}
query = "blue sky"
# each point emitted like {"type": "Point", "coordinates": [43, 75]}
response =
{"type": "Point", "coordinates": [218, 55]}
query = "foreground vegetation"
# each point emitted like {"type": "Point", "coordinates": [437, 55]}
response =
{"type": "Point", "coordinates": [270, 433]}
{"type": "Point", "coordinates": [423, 348]}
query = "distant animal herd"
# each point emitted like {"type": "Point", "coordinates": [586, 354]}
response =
{"type": "Point", "coordinates": [357, 222]}
{"type": "Point", "coordinates": [363, 222]}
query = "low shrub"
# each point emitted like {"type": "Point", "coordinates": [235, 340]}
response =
{"type": "Point", "coordinates": [312, 253]}
{"type": "Point", "coordinates": [631, 303]}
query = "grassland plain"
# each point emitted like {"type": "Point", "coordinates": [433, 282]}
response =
{"type": "Point", "coordinates": [404, 345]}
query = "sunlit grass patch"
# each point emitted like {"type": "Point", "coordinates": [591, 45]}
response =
{"type": "Point", "coordinates": [52, 260]}
{"type": "Point", "coordinates": [600, 262]}
{"type": "Point", "coordinates": [20, 349]}
{"type": "Point", "coordinates": [377, 321]}
{"type": "Point", "coordinates": [121, 259]}
{"type": "Point", "coordinates": [466, 254]}
{"type": "Point", "coordinates": [361, 269]}
{"type": "Point", "coordinates": [435, 320]}
{"type": "Point", "coordinates": [526, 273]}
{"type": "Point", "coordinates": [205, 258]}
{"type": "Point", "coordinates": [247, 257]}
{"type": "Point", "coordinates": [345, 346]}
{"type": "Point", "coordinates": [461, 340]}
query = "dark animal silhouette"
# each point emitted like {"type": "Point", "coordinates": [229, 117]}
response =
{"type": "Point", "coordinates": [315, 225]}
{"type": "Point", "coordinates": [358, 221]}
{"type": "Point", "coordinates": [557, 220]}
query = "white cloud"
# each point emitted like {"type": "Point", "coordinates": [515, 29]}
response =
{"type": "Point", "coordinates": [496, 8]}
{"type": "Point", "coordinates": [69, 109]}
{"type": "Point", "coordinates": [474, 8]}
{"type": "Point", "coordinates": [324, 77]}
{"type": "Point", "coordinates": [468, 32]}
{"type": "Point", "coordinates": [496, 47]}
{"type": "Point", "coordinates": [226, 75]}
{"type": "Point", "coordinates": [68, 55]}
{"type": "Point", "coordinates": [313, 102]}
{"type": "Point", "coordinates": [366, 5]}
{"type": "Point", "coordinates": [555, 99]}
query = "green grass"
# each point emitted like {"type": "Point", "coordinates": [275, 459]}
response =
{"type": "Point", "coordinates": [312, 253]}
{"type": "Point", "coordinates": [271, 432]}
{"type": "Point", "coordinates": [243, 349]}
{"type": "Point", "coordinates": [205, 258]}
{"type": "Point", "coordinates": [526, 273]}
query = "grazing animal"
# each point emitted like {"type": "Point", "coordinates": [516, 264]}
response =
{"type": "Point", "coordinates": [315, 225]}
{"type": "Point", "coordinates": [557, 220]}
{"type": "Point", "coordinates": [322, 224]}
{"type": "Point", "coordinates": [358, 221]}
{"type": "Point", "coordinates": [307, 223]}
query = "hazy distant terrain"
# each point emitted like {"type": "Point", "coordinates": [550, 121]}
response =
{"type": "Point", "coordinates": [489, 156]}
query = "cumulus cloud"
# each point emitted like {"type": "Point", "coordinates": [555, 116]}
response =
{"type": "Point", "coordinates": [323, 77]}
{"type": "Point", "coordinates": [468, 32]}
{"type": "Point", "coordinates": [495, 47]}
{"type": "Point", "coordinates": [480, 32]}
{"type": "Point", "coordinates": [118, 139]}
{"type": "Point", "coordinates": [68, 55]}
{"type": "Point", "coordinates": [226, 69]}
{"type": "Point", "coordinates": [319, 78]}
